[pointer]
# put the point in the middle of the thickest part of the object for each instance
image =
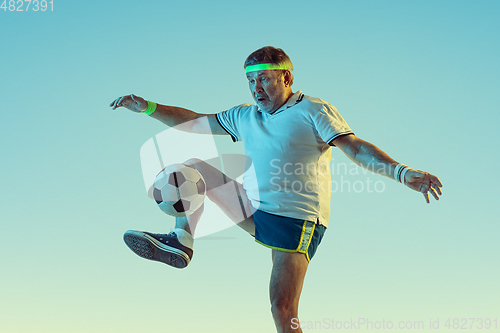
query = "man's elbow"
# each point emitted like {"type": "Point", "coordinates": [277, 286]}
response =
{"type": "Point", "coordinates": [349, 144]}
{"type": "Point", "coordinates": [198, 125]}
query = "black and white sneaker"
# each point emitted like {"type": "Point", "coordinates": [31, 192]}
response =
{"type": "Point", "coordinates": [166, 248]}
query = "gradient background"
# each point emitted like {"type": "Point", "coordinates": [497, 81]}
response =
{"type": "Point", "coordinates": [418, 79]}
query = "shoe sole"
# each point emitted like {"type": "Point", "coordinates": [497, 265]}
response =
{"type": "Point", "coordinates": [149, 248]}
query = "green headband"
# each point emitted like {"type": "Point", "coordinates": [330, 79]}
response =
{"type": "Point", "coordinates": [263, 67]}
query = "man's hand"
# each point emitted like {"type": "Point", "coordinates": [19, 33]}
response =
{"type": "Point", "coordinates": [424, 183]}
{"type": "Point", "coordinates": [131, 102]}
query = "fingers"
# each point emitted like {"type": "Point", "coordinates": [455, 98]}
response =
{"type": "Point", "coordinates": [433, 192]}
{"type": "Point", "coordinates": [429, 185]}
{"type": "Point", "coordinates": [426, 196]}
{"type": "Point", "coordinates": [424, 189]}
{"type": "Point", "coordinates": [113, 103]}
{"type": "Point", "coordinates": [425, 183]}
{"type": "Point", "coordinates": [435, 180]}
{"type": "Point", "coordinates": [118, 102]}
{"type": "Point", "coordinates": [436, 188]}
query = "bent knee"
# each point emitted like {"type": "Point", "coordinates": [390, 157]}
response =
{"type": "Point", "coordinates": [197, 164]}
{"type": "Point", "coordinates": [193, 162]}
{"type": "Point", "coordinates": [283, 306]}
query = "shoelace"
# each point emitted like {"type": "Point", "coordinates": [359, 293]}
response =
{"type": "Point", "coordinates": [162, 236]}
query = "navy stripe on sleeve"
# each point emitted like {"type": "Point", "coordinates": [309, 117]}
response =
{"type": "Point", "coordinates": [337, 135]}
{"type": "Point", "coordinates": [219, 120]}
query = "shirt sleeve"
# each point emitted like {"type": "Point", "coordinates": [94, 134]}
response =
{"type": "Point", "coordinates": [330, 124]}
{"type": "Point", "coordinates": [230, 121]}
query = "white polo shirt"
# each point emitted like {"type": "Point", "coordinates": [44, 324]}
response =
{"type": "Point", "coordinates": [290, 154]}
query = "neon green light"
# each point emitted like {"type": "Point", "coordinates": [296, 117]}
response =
{"type": "Point", "coordinates": [263, 67]}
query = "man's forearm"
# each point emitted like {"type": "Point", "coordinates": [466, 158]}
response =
{"type": "Point", "coordinates": [374, 159]}
{"type": "Point", "coordinates": [174, 116]}
{"type": "Point", "coordinates": [371, 157]}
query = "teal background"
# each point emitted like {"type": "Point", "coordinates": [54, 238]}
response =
{"type": "Point", "coordinates": [418, 79]}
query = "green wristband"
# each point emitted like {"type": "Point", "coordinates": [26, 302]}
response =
{"type": "Point", "coordinates": [151, 108]}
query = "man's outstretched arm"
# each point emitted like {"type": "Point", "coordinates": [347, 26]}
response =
{"type": "Point", "coordinates": [173, 116]}
{"type": "Point", "coordinates": [374, 159]}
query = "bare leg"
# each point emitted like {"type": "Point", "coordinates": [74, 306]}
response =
{"type": "Point", "coordinates": [176, 249]}
{"type": "Point", "coordinates": [287, 279]}
{"type": "Point", "coordinates": [226, 193]}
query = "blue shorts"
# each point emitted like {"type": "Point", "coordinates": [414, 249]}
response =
{"type": "Point", "coordinates": [287, 234]}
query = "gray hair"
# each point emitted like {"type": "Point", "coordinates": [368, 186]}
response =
{"type": "Point", "coordinates": [270, 55]}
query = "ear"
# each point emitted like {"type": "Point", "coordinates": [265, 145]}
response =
{"type": "Point", "coordinates": [287, 77]}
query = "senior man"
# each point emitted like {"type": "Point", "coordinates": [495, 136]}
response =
{"type": "Point", "coordinates": [283, 128]}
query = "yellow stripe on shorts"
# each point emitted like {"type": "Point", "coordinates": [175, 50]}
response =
{"type": "Point", "coordinates": [306, 237]}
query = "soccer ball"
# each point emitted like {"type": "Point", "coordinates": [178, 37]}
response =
{"type": "Point", "coordinates": [179, 190]}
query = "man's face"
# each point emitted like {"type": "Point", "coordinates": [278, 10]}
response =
{"type": "Point", "coordinates": [268, 89]}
